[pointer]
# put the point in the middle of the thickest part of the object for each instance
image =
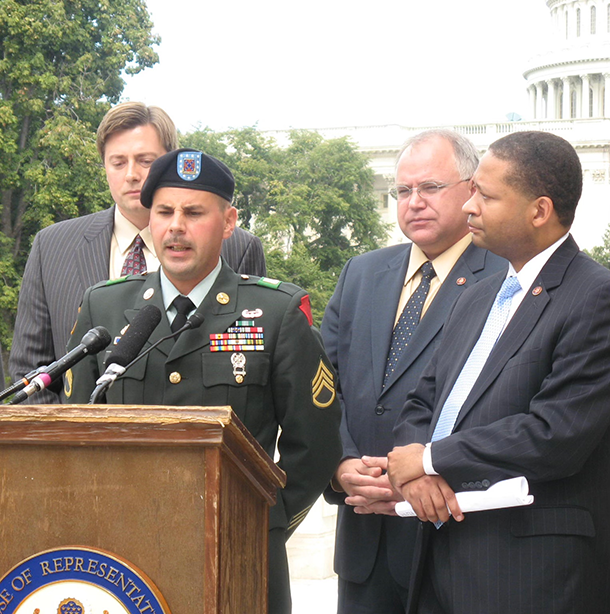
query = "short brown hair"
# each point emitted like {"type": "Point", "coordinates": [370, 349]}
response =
{"type": "Point", "coordinates": [129, 115]}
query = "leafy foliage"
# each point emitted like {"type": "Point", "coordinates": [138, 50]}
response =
{"type": "Point", "coordinates": [311, 202]}
{"type": "Point", "coordinates": [601, 253]}
{"type": "Point", "coordinates": [60, 71]}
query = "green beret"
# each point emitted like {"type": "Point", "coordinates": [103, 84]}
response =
{"type": "Point", "coordinates": [190, 169]}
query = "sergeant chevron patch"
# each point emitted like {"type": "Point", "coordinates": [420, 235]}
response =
{"type": "Point", "coordinates": [323, 386]}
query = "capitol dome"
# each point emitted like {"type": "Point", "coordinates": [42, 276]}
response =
{"type": "Point", "coordinates": [570, 79]}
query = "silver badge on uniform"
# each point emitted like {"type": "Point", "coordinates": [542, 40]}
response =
{"type": "Point", "coordinates": [238, 360]}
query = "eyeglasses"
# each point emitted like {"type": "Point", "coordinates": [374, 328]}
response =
{"type": "Point", "coordinates": [428, 189]}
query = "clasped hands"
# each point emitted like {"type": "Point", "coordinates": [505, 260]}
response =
{"type": "Point", "coordinates": [375, 484]}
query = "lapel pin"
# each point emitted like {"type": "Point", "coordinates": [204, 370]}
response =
{"type": "Point", "coordinates": [537, 290]}
{"type": "Point", "coordinates": [460, 281]}
{"type": "Point", "coordinates": [222, 298]}
{"type": "Point", "coordinates": [148, 294]}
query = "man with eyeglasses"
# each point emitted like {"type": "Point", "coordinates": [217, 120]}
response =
{"type": "Point", "coordinates": [380, 329]}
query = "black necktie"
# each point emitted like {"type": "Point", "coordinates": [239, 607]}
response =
{"type": "Point", "coordinates": [409, 319]}
{"type": "Point", "coordinates": [183, 306]}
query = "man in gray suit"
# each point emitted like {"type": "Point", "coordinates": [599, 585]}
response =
{"type": "Point", "coordinates": [373, 552]}
{"type": "Point", "coordinates": [68, 257]}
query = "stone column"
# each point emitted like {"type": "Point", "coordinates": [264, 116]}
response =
{"type": "Point", "coordinates": [531, 91]}
{"type": "Point", "coordinates": [606, 90]}
{"type": "Point", "coordinates": [539, 101]}
{"type": "Point", "coordinates": [586, 96]}
{"type": "Point", "coordinates": [565, 112]}
{"type": "Point", "coordinates": [551, 105]}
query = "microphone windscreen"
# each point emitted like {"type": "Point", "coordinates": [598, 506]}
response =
{"type": "Point", "coordinates": [132, 342]}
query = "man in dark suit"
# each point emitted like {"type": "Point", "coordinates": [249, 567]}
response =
{"type": "Point", "coordinates": [275, 376]}
{"type": "Point", "coordinates": [373, 552]}
{"type": "Point", "coordinates": [517, 387]}
{"type": "Point", "coordinates": [68, 257]}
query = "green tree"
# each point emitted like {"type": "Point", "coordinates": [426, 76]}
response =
{"type": "Point", "coordinates": [60, 70]}
{"type": "Point", "coordinates": [601, 253]}
{"type": "Point", "coordinates": [250, 155]}
{"type": "Point", "coordinates": [311, 202]}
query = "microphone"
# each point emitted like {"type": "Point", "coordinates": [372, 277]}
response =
{"type": "Point", "coordinates": [130, 344]}
{"type": "Point", "coordinates": [21, 384]}
{"type": "Point", "coordinates": [92, 342]}
{"type": "Point", "coordinates": [115, 370]}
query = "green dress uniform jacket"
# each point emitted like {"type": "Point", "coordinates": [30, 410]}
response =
{"type": "Point", "coordinates": [287, 384]}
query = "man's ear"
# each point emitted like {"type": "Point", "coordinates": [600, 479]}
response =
{"type": "Point", "coordinates": [543, 211]}
{"type": "Point", "coordinates": [230, 221]}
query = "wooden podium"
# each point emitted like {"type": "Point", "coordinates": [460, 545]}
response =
{"type": "Point", "coordinates": [182, 493]}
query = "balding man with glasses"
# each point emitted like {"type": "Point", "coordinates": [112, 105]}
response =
{"type": "Point", "coordinates": [380, 329]}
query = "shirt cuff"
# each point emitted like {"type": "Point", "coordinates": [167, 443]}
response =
{"type": "Point", "coordinates": [427, 460]}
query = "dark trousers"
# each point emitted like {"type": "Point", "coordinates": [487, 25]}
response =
{"type": "Point", "coordinates": [379, 594]}
{"type": "Point", "coordinates": [279, 601]}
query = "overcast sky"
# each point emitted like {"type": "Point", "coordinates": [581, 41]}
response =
{"type": "Point", "coordinates": [332, 63]}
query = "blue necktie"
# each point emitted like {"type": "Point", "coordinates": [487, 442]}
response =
{"type": "Point", "coordinates": [494, 326]}
{"type": "Point", "coordinates": [409, 319]}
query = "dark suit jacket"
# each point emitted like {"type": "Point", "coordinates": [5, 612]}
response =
{"type": "Point", "coordinates": [66, 259]}
{"type": "Point", "coordinates": [541, 409]}
{"type": "Point", "coordinates": [357, 331]}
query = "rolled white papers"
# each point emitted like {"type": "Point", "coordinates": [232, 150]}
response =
{"type": "Point", "coordinates": [507, 493]}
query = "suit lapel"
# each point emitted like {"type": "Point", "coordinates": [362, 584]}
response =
{"type": "Point", "coordinates": [464, 274]}
{"type": "Point", "coordinates": [385, 294]}
{"type": "Point", "coordinates": [93, 255]}
{"type": "Point", "coordinates": [521, 325]}
{"type": "Point", "coordinates": [151, 289]}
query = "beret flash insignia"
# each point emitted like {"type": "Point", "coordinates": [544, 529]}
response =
{"type": "Point", "coordinates": [189, 165]}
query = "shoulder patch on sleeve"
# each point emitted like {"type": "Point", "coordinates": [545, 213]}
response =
{"type": "Point", "coordinates": [323, 386]}
{"type": "Point", "coordinates": [305, 307]}
{"type": "Point", "coordinates": [68, 383]}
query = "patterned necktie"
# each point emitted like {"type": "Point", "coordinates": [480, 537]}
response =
{"type": "Point", "coordinates": [135, 263]}
{"type": "Point", "coordinates": [409, 319]}
{"type": "Point", "coordinates": [183, 306]}
{"type": "Point", "coordinates": [477, 359]}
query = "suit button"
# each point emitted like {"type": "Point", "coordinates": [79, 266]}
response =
{"type": "Point", "coordinates": [478, 486]}
{"type": "Point", "coordinates": [486, 483]}
{"type": "Point", "coordinates": [175, 377]}
{"type": "Point", "coordinates": [464, 485]}
{"type": "Point", "coordinates": [379, 410]}
{"type": "Point", "coordinates": [471, 485]}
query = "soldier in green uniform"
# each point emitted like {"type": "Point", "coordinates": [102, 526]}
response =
{"type": "Point", "coordinates": [256, 350]}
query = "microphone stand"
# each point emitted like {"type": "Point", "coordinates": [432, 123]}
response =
{"type": "Point", "coordinates": [21, 384]}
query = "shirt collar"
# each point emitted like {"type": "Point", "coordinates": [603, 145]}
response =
{"type": "Point", "coordinates": [442, 264]}
{"type": "Point", "coordinates": [197, 294]}
{"type": "Point", "coordinates": [531, 269]}
{"type": "Point", "coordinates": [125, 233]}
